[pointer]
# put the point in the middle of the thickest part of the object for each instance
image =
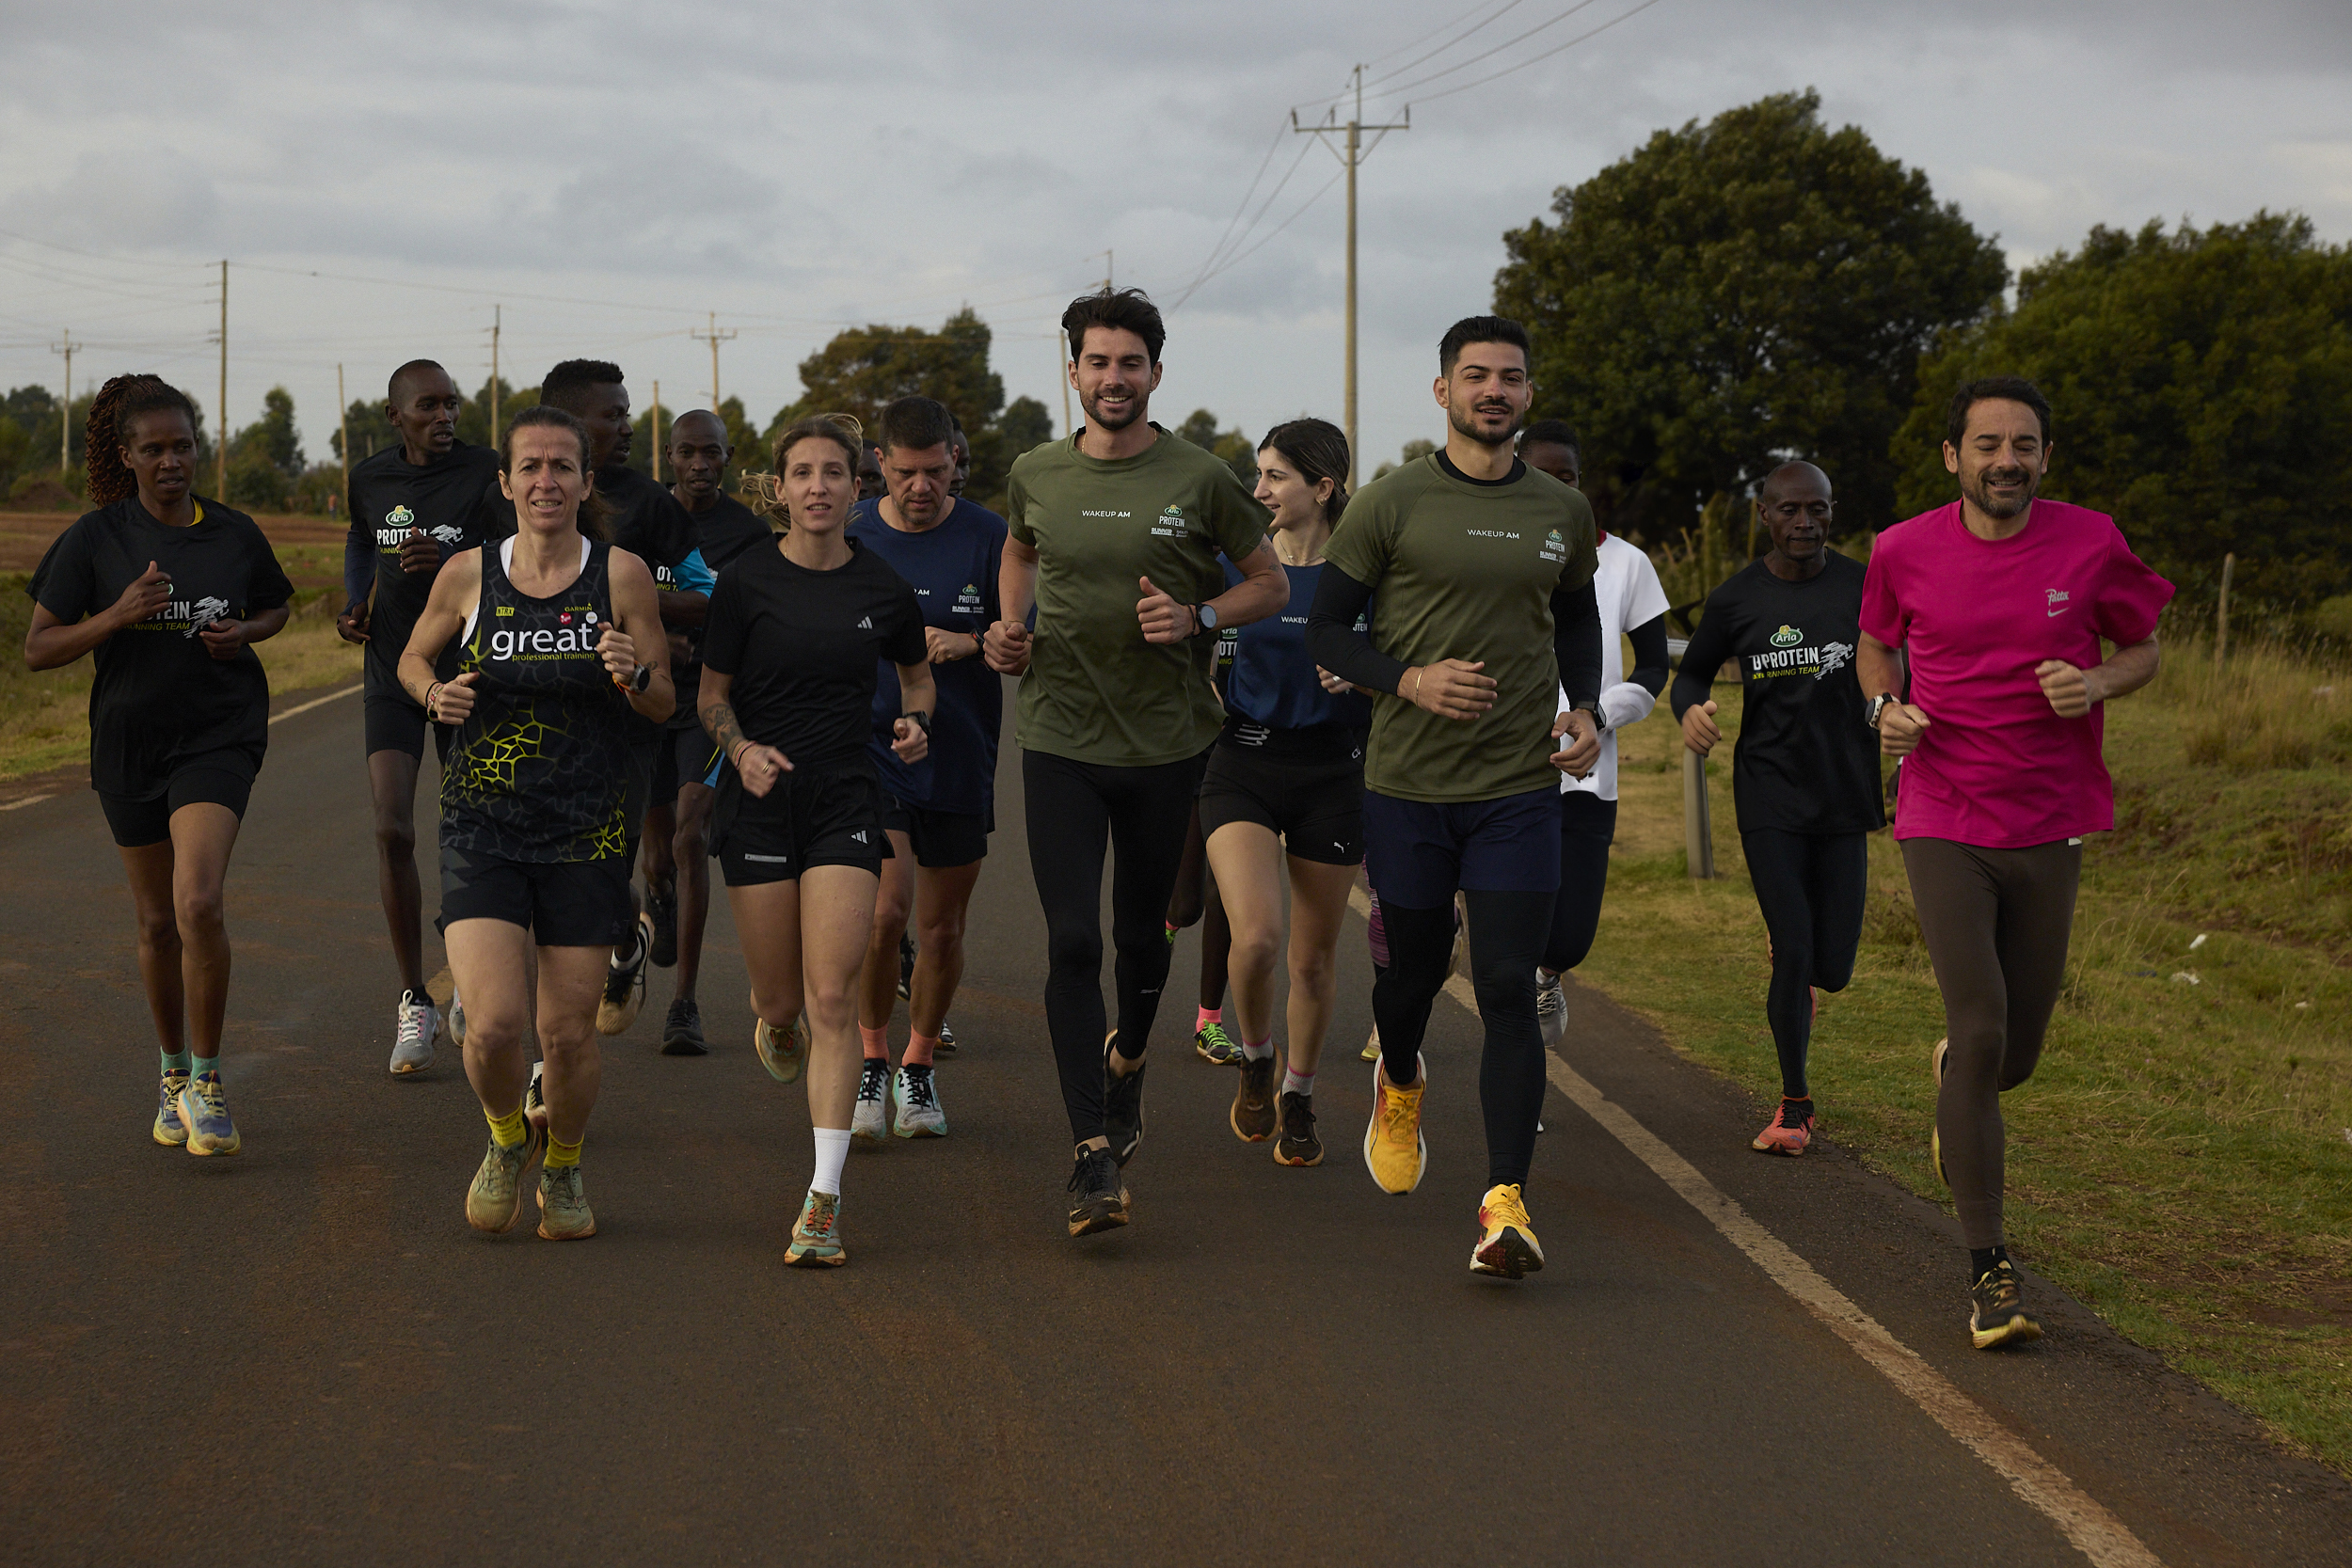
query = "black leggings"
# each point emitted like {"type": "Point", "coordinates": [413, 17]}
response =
{"type": "Point", "coordinates": [1507, 936]}
{"type": "Point", "coordinates": [1588, 825]}
{"type": "Point", "coordinates": [1077, 809]}
{"type": "Point", "coordinates": [1810, 887]}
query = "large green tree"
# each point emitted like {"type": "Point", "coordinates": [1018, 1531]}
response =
{"type": "Point", "coordinates": [2202, 387]}
{"type": "Point", "coordinates": [864, 368]}
{"type": "Point", "coordinates": [1199, 428]}
{"type": "Point", "coordinates": [1735, 293]}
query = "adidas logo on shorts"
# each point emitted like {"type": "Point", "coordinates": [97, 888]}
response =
{"type": "Point", "coordinates": [858, 837]}
{"type": "Point", "coordinates": [865, 623]}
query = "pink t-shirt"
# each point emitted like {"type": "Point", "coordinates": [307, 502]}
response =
{"type": "Point", "coordinates": [1997, 768]}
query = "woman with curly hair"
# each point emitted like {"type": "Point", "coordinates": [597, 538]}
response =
{"type": "Point", "coordinates": [168, 592]}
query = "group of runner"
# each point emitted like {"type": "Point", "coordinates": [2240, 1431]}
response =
{"type": "Point", "coordinates": [1224, 691]}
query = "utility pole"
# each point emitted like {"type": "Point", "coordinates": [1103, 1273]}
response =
{"type": "Point", "coordinates": [65, 408]}
{"type": "Point", "coordinates": [653, 429]}
{"type": "Point", "coordinates": [343, 420]}
{"type": "Point", "coordinates": [714, 338]}
{"type": "Point", "coordinates": [220, 437]}
{"type": "Point", "coordinates": [1354, 154]}
{"type": "Point", "coordinates": [496, 312]}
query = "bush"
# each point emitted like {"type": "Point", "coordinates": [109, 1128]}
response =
{"type": "Point", "coordinates": [43, 491]}
{"type": "Point", "coordinates": [256, 484]}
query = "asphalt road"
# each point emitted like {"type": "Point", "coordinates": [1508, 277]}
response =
{"type": "Point", "coordinates": [302, 1354]}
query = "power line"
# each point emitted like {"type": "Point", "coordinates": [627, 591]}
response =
{"type": "Point", "coordinates": [1425, 38]}
{"type": "Point", "coordinates": [1495, 16]}
{"type": "Point", "coordinates": [1546, 55]}
{"type": "Point", "coordinates": [1209, 266]}
{"type": "Point", "coordinates": [1488, 53]}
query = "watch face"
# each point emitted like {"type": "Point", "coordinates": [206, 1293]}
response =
{"type": "Point", "coordinates": [1208, 617]}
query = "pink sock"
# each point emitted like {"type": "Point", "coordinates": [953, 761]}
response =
{"type": "Point", "coordinates": [877, 1042]}
{"type": "Point", "coordinates": [921, 1049]}
{"type": "Point", "coordinates": [1208, 1016]}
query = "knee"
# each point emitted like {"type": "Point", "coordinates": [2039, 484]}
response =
{"type": "Point", "coordinates": [568, 1040]}
{"type": "Point", "coordinates": [1072, 945]}
{"type": "Point", "coordinates": [159, 930]}
{"type": "Point", "coordinates": [692, 842]}
{"type": "Point", "coordinates": [1313, 972]}
{"type": "Point", "coordinates": [1504, 988]}
{"type": "Point", "coordinates": [492, 1032]}
{"type": "Point", "coordinates": [890, 914]}
{"type": "Point", "coordinates": [943, 934]}
{"type": "Point", "coordinates": [395, 840]}
{"type": "Point", "coordinates": [1834, 975]}
{"type": "Point", "coordinates": [1255, 949]}
{"type": "Point", "coordinates": [831, 997]}
{"type": "Point", "coordinates": [198, 912]}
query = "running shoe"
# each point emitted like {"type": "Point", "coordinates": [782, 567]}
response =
{"type": "Point", "coordinates": [563, 1212]}
{"type": "Point", "coordinates": [205, 1113]}
{"type": "Point", "coordinates": [1297, 1145]}
{"type": "Point", "coordinates": [495, 1201]}
{"type": "Point", "coordinates": [782, 1051]}
{"type": "Point", "coordinates": [817, 1234]}
{"type": "Point", "coordinates": [625, 984]}
{"type": "Point", "coordinates": [1371, 1051]}
{"type": "Point", "coordinates": [919, 1116]}
{"type": "Point", "coordinates": [1935, 1137]}
{"type": "Point", "coordinates": [535, 1099]}
{"type": "Point", "coordinates": [947, 1041]}
{"type": "Point", "coordinates": [1506, 1243]}
{"type": "Point", "coordinates": [457, 1021]}
{"type": "Point", "coordinates": [1097, 1199]}
{"type": "Point", "coordinates": [1123, 1106]}
{"type": "Point", "coordinates": [682, 1030]}
{"type": "Point", "coordinates": [906, 966]}
{"type": "Point", "coordinates": [1394, 1150]}
{"type": "Point", "coordinates": [1790, 1132]}
{"type": "Point", "coordinates": [1552, 1009]}
{"type": "Point", "coordinates": [415, 1027]}
{"type": "Point", "coordinates": [1997, 1316]}
{"type": "Point", "coordinates": [1252, 1117]}
{"type": "Point", "coordinates": [1212, 1044]}
{"type": "Point", "coordinates": [661, 908]}
{"type": "Point", "coordinates": [170, 1131]}
{"type": "Point", "coordinates": [870, 1116]}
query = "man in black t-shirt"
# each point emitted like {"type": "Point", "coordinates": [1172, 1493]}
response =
{"type": "Point", "coordinates": [678, 824]}
{"type": "Point", "coordinates": [646, 520]}
{"type": "Point", "coordinates": [412, 507]}
{"type": "Point", "coordinates": [1805, 773]}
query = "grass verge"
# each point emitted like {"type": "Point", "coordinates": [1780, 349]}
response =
{"type": "Point", "coordinates": [2183, 1159]}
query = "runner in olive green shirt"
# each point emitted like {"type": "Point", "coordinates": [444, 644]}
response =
{"type": "Point", "coordinates": [1115, 536]}
{"type": "Point", "coordinates": [1478, 574]}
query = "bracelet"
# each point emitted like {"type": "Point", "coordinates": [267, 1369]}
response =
{"type": "Point", "coordinates": [430, 693]}
{"type": "Point", "coordinates": [1418, 674]}
{"type": "Point", "coordinates": [735, 758]}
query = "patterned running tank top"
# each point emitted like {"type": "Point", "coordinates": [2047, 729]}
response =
{"type": "Point", "coordinates": [540, 766]}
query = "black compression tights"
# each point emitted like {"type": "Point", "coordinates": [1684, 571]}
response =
{"type": "Point", "coordinates": [1507, 936]}
{"type": "Point", "coordinates": [1810, 887]}
{"type": "Point", "coordinates": [1076, 811]}
{"type": "Point", "coordinates": [1588, 825]}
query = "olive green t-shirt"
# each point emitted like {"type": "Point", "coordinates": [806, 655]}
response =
{"type": "Point", "coordinates": [1459, 569]}
{"type": "Point", "coordinates": [1096, 691]}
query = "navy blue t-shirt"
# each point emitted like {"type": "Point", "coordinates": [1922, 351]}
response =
{"type": "Point", "coordinates": [1272, 681]}
{"type": "Point", "coordinates": [953, 570]}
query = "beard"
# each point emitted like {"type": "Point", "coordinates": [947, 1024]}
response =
{"type": "Point", "coordinates": [1981, 492]}
{"type": "Point", "coordinates": [1118, 418]}
{"type": "Point", "coordinates": [1464, 424]}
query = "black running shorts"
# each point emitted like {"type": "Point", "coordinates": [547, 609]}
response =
{"type": "Point", "coordinates": [216, 778]}
{"type": "Point", "coordinates": [940, 838]}
{"type": "Point", "coordinates": [646, 742]}
{"type": "Point", "coordinates": [687, 756]}
{"type": "Point", "coordinates": [807, 821]}
{"type": "Point", "coordinates": [1315, 807]}
{"type": "Point", "coordinates": [393, 723]}
{"type": "Point", "coordinates": [561, 903]}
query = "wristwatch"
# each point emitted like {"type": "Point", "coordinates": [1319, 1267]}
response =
{"type": "Point", "coordinates": [1877, 706]}
{"type": "Point", "coordinates": [641, 682]}
{"type": "Point", "coordinates": [922, 721]}
{"type": "Point", "coordinates": [1204, 618]}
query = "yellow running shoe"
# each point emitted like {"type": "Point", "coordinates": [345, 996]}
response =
{"type": "Point", "coordinates": [1506, 1243]}
{"type": "Point", "coordinates": [1935, 1137]}
{"type": "Point", "coordinates": [1372, 1046]}
{"type": "Point", "coordinates": [1394, 1150]}
{"type": "Point", "coordinates": [782, 1052]}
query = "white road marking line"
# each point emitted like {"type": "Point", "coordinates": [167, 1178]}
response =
{"type": "Point", "coordinates": [2098, 1534]}
{"type": "Point", "coordinates": [13, 805]}
{"type": "Point", "coordinates": [315, 701]}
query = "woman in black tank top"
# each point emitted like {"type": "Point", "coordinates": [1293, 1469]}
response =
{"type": "Point", "coordinates": [560, 637]}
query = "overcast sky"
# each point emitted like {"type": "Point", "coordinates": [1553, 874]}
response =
{"type": "Point", "coordinates": [613, 173]}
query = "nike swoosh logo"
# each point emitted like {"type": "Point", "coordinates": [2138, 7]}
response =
{"type": "Point", "coordinates": [2060, 610]}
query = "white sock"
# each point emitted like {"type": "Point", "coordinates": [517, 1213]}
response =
{"type": "Point", "coordinates": [1296, 1082]}
{"type": "Point", "coordinates": [833, 1150]}
{"type": "Point", "coordinates": [1259, 1051]}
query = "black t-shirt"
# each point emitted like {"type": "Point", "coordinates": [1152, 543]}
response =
{"type": "Point", "coordinates": [802, 648]}
{"type": "Point", "coordinates": [722, 531]}
{"type": "Point", "coordinates": [1805, 762]}
{"type": "Point", "coordinates": [449, 498]}
{"type": "Point", "coordinates": [159, 699]}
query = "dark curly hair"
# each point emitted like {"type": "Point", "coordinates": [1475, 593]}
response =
{"type": "Point", "coordinates": [118, 403]}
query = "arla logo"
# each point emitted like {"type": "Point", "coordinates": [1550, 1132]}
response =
{"type": "Point", "coordinates": [971, 590]}
{"type": "Point", "coordinates": [1172, 514]}
{"type": "Point", "coordinates": [400, 516]}
{"type": "Point", "coordinates": [1555, 540]}
{"type": "Point", "coordinates": [1787, 637]}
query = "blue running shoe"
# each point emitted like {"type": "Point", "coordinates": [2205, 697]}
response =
{"type": "Point", "coordinates": [170, 1131]}
{"type": "Point", "coordinates": [205, 1111]}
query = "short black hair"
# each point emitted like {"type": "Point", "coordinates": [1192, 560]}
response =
{"type": "Point", "coordinates": [1991, 388]}
{"type": "Point", "coordinates": [414, 367]}
{"type": "Point", "coordinates": [567, 385]}
{"type": "Point", "coordinates": [916, 424]}
{"type": "Point", "coordinates": [1126, 309]}
{"type": "Point", "coordinates": [1557, 433]}
{"type": "Point", "coordinates": [1480, 329]}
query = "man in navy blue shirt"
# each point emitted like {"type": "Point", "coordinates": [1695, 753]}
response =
{"type": "Point", "coordinates": [938, 812]}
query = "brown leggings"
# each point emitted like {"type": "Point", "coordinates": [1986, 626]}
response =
{"type": "Point", "coordinates": [1996, 922]}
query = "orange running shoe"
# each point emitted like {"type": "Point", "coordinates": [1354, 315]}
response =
{"type": "Point", "coordinates": [1791, 1129]}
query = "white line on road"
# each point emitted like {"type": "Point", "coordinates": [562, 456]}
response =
{"type": "Point", "coordinates": [2098, 1534]}
{"type": "Point", "coordinates": [315, 701]}
{"type": "Point", "coordinates": [13, 805]}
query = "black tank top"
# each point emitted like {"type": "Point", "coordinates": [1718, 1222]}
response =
{"type": "Point", "coordinates": [539, 769]}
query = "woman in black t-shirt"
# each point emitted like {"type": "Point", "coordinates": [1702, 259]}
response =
{"type": "Point", "coordinates": [169, 592]}
{"type": "Point", "coordinates": [790, 660]}
{"type": "Point", "coordinates": [1805, 774]}
{"type": "Point", "coordinates": [560, 641]}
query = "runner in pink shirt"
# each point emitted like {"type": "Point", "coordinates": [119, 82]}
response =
{"type": "Point", "coordinates": [2000, 602]}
